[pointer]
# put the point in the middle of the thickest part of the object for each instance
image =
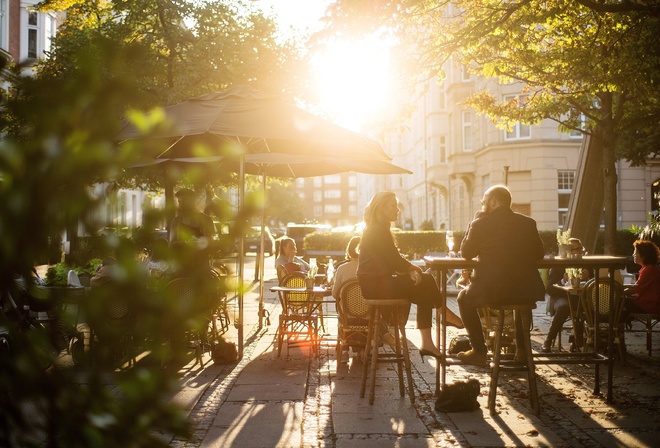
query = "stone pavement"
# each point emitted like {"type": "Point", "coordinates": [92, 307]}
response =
{"type": "Point", "coordinates": [304, 401]}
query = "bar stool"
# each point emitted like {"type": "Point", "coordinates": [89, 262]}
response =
{"type": "Point", "coordinates": [522, 318]}
{"type": "Point", "coordinates": [373, 357]}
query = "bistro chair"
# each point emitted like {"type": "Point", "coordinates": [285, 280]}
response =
{"type": "Point", "coordinates": [649, 321]}
{"type": "Point", "coordinates": [592, 291]}
{"type": "Point", "coordinates": [193, 299]}
{"type": "Point", "coordinates": [112, 325]}
{"type": "Point", "coordinates": [401, 355]}
{"type": "Point", "coordinates": [353, 321]}
{"type": "Point", "coordinates": [523, 315]}
{"type": "Point", "coordinates": [299, 319]}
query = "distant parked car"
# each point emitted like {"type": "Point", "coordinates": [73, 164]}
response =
{"type": "Point", "coordinates": [253, 241]}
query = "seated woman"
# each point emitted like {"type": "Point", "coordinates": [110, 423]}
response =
{"type": "Point", "coordinates": [384, 273]}
{"type": "Point", "coordinates": [287, 261]}
{"type": "Point", "coordinates": [348, 271]}
{"type": "Point", "coordinates": [644, 295]}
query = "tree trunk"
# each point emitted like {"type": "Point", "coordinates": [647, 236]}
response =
{"type": "Point", "coordinates": [606, 130]}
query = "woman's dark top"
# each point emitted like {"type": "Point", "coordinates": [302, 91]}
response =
{"type": "Point", "coordinates": [379, 256]}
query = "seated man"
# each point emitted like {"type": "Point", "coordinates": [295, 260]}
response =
{"type": "Point", "coordinates": [559, 303]}
{"type": "Point", "coordinates": [508, 245]}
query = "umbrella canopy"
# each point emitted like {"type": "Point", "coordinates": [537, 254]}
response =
{"type": "Point", "coordinates": [270, 135]}
{"type": "Point", "coordinates": [283, 165]}
{"type": "Point", "coordinates": [260, 122]}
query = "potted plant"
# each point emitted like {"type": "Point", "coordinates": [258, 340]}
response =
{"type": "Point", "coordinates": [563, 244]}
{"type": "Point", "coordinates": [310, 277]}
{"type": "Point", "coordinates": [575, 276]}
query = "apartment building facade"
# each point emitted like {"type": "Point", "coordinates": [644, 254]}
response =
{"type": "Point", "coordinates": [456, 155]}
{"type": "Point", "coordinates": [331, 199]}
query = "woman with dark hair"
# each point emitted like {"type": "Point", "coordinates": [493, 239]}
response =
{"type": "Point", "coordinates": [384, 273]}
{"type": "Point", "coordinates": [646, 298]}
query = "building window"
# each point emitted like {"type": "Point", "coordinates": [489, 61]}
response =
{"type": "Point", "coordinates": [32, 35]}
{"type": "Point", "coordinates": [318, 211]}
{"type": "Point", "coordinates": [318, 196]}
{"type": "Point", "coordinates": [332, 194]}
{"type": "Point", "coordinates": [352, 195]}
{"type": "Point", "coordinates": [352, 180]}
{"type": "Point", "coordinates": [3, 24]}
{"type": "Point", "coordinates": [442, 148]}
{"type": "Point", "coordinates": [352, 210]}
{"type": "Point", "coordinates": [318, 182]}
{"type": "Point", "coordinates": [333, 180]}
{"type": "Point", "coordinates": [333, 209]}
{"type": "Point", "coordinates": [519, 131]}
{"type": "Point", "coordinates": [485, 181]}
{"type": "Point", "coordinates": [467, 130]}
{"type": "Point", "coordinates": [300, 182]}
{"type": "Point", "coordinates": [565, 182]}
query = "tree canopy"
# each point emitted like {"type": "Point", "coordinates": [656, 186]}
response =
{"type": "Point", "coordinates": [589, 66]}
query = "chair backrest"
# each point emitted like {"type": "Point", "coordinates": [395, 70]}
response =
{"type": "Point", "coordinates": [295, 280]}
{"type": "Point", "coordinates": [351, 304]}
{"type": "Point", "coordinates": [281, 273]}
{"type": "Point", "coordinates": [603, 289]}
{"type": "Point", "coordinates": [73, 279]}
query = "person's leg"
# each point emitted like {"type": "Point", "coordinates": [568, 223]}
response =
{"type": "Point", "coordinates": [427, 297]}
{"type": "Point", "coordinates": [472, 322]}
{"type": "Point", "coordinates": [477, 355]}
{"type": "Point", "coordinates": [561, 314]}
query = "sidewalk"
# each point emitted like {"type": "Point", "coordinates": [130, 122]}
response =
{"type": "Point", "coordinates": [299, 400]}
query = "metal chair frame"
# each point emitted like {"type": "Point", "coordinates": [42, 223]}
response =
{"type": "Point", "coordinates": [602, 316]}
{"type": "Point", "coordinates": [649, 321]}
{"type": "Point", "coordinates": [299, 319]}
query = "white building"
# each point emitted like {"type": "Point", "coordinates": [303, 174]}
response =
{"type": "Point", "coordinates": [456, 155]}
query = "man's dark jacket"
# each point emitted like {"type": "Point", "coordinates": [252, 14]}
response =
{"type": "Point", "coordinates": [508, 245]}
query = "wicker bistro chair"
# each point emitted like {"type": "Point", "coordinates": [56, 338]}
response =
{"type": "Point", "coordinates": [605, 310]}
{"type": "Point", "coordinates": [353, 321]}
{"type": "Point", "coordinates": [193, 299]}
{"type": "Point", "coordinates": [649, 321]}
{"type": "Point", "coordinates": [299, 319]}
{"type": "Point", "coordinates": [112, 326]}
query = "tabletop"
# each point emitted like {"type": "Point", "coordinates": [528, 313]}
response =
{"type": "Point", "coordinates": [588, 261]}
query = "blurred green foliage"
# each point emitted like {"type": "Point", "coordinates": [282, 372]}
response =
{"type": "Point", "coordinates": [59, 129]}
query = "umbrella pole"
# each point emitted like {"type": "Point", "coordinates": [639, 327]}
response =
{"type": "Point", "coordinates": [262, 252]}
{"type": "Point", "coordinates": [241, 254]}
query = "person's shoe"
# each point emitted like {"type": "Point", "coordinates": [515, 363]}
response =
{"type": "Point", "coordinates": [388, 339]}
{"type": "Point", "coordinates": [473, 358]}
{"type": "Point", "coordinates": [423, 352]}
{"type": "Point", "coordinates": [547, 347]}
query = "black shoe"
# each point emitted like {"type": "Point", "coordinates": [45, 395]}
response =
{"type": "Point", "coordinates": [423, 353]}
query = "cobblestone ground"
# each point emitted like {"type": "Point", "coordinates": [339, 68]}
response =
{"type": "Point", "coordinates": [569, 410]}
